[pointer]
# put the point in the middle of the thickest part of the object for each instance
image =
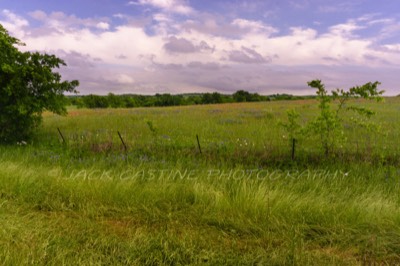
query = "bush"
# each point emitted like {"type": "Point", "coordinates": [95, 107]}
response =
{"type": "Point", "coordinates": [28, 86]}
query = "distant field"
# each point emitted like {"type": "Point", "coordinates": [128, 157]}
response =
{"type": "Point", "coordinates": [241, 200]}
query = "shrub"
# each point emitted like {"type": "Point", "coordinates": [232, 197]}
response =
{"type": "Point", "coordinates": [28, 86]}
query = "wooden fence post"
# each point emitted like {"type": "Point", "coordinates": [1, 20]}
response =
{"type": "Point", "coordinates": [62, 137]}
{"type": "Point", "coordinates": [198, 143]}
{"type": "Point", "coordinates": [293, 148]}
{"type": "Point", "coordinates": [123, 143]}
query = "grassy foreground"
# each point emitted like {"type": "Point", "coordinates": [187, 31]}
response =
{"type": "Point", "coordinates": [242, 201]}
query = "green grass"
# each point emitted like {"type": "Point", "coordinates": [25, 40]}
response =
{"type": "Point", "coordinates": [241, 202]}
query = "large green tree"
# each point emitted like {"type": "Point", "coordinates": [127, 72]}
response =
{"type": "Point", "coordinates": [28, 86]}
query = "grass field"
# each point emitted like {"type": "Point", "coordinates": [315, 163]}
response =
{"type": "Point", "coordinates": [241, 201]}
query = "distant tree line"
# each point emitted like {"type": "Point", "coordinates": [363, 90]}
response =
{"type": "Point", "coordinates": [130, 100]}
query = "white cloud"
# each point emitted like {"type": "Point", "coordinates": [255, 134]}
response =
{"type": "Point", "coordinates": [203, 53]}
{"type": "Point", "coordinates": [61, 22]}
{"type": "Point", "coordinates": [172, 6]}
{"type": "Point", "coordinates": [254, 26]}
{"type": "Point", "coordinates": [14, 23]}
{"type": "Point", "coordinates": [103, 25]}
{"type": "Point", "coordinates": [17, 20]}
{"type": "Point", "coordinates": [160, 17]}
{"type": "Point", "coordinates": [345, 29]}
{"type": "Point", "coordinates": [38, 15]}
{"type": "Point", "coordinates": [393, 47]}
{"type": "Point", "coordinates": [125, 79]}
{"type": "Point", "coordinates": [120, 16]}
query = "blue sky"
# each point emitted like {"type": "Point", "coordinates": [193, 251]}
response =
{"type": "Point", "coordinates": [180, 46]}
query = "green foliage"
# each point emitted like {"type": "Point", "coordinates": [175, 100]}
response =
{"type": "Point", "coordinates": [292, 127]}
{"type": "Point", "coordinates": [212, 98]}
{"type": "Point", "coordinates": [285, 97]}
{"type": "Point", "coordinates": [329, 123]}
{"type": "Point", "coordinates": [28, 86]}
{"type": "Point", "coordinates": [166, 99]}
{"type": "Point", "coordinates": [114, 101]}
{"type": "Point", "coordinates": [95, 101]}
{"type": "Point", "coordinates": [152, 128]}
{"type": "Point", "coordinates": [245, 96]}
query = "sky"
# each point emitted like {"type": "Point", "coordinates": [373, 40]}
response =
{"type": "Point", "coordinates": [186, 46]}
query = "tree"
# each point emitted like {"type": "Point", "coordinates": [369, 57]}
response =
{"type": "Point", "coordinates": [211, 98]}
{"type": "Point", "coordinates": [329, 123]}
{"type": "Point", "coordinates": [167, 99]}
{"type": "Point", "coordinates": [129, 101]}
{"type": "Point", "coordinates": [28, 86]}
{"type": "Point", "coordinates": [241, 96]}
{"type": "Point", "coordinates": [245, 96]}
{"type": "Point", "coordinates": [193, 99]}
{"type": "Point", "coordinates": [95, 101]}
{"type": "Point", "coordinates": [115, 101]}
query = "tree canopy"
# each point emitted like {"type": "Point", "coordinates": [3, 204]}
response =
{"type": "Point", "coordinates": [28, 86]}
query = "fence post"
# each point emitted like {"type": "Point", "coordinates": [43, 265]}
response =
{"type": "Point", "coordinates": [198, 143]}
{"type": "Point", "coordinates": [123, 143]}
{"type": "Point", "coordinates": [293, 148]}
{"type": "Point", "coordinates": [62, 137]}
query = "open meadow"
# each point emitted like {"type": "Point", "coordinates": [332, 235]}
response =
{"type": "Point", "coordinates": [236, 197]}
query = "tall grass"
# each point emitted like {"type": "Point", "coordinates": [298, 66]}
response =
{"type": "Point", "coordinates": [233, 134]}
{"type": "Point", "coordinates": [167, 204]}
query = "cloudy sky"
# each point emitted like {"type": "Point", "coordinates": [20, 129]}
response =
{"type": "Point", "coordinates": [176, 46]}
